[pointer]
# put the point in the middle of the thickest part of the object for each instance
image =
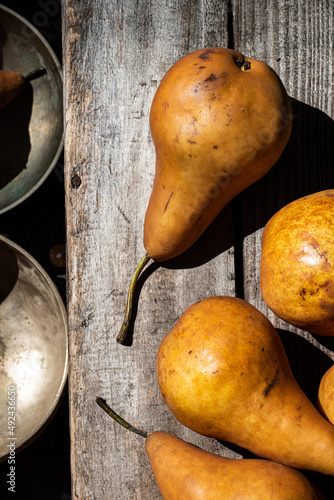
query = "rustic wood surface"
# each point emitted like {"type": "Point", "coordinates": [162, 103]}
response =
{"type": "Point", "coordinates": [115, 54]}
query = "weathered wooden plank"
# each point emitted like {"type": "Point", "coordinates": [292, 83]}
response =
{"type": "Point", "coordinates": [295, 39]}
{"type": "Point", "coordinates": [115, 54]}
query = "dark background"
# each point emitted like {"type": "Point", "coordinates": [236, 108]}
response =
{"type": "Point", "coordinates": [37, 225]}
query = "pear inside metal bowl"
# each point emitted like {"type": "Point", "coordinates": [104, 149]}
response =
{"type": "Point", "coordinates": [33, 348]}
{"type": "Point", "coordinates": [31, 126]}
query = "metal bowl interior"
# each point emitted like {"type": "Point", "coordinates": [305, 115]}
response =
{"type": "Point", "coordinates": [33, 347]}
{"type": "Point", "coordinates": [31, 126]}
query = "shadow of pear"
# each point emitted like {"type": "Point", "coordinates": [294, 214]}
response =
{"type": "Point", "coordinates": [327, 341]}
{"type": "Point", "coordinates": [308, 363]}
{"type": "Point", "coordinates": [15, 142]}
{"type": "Point", "coordinates": [217, 238]}
{"type": "Point", "coordinates": [9, 270]}
{"type": "Point", "coordinates": [324, 483]}
{"type": "Point", "coordinates": [305, 167]}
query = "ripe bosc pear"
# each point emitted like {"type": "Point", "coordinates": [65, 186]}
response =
{"type": "Point", "coordinates": [13, 83]}
{"type": "Point", "coordinates": [326, 395]}
{"type": "Point", "coordinates": [223, 372]}
{"type": "Point", "coordinates": [219, 121]}
{"type": "Point", "coordinates": [297, 263]}
{"type": "Point", "coordinates": [185, 472]}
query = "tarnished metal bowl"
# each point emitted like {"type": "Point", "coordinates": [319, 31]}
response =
{"type": "Point", "coordinates": [33, 348]}
{"type": "Point", "coordinates": [31, 126]}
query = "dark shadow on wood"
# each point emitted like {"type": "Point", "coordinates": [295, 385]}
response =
{"type": "Point", "coordinates": [237, 449]}
{"type": "Point", "coordinates": [326, 341]}
{"type": "Point", "coordinates": [14, 136]}
{"type": "Point", "coordinates": [308, 363]}
{"type": "Point", "coordinates": [324, 483]}
{"type": "Point", "coordinates": [217, 238]}
{"type": "Point", "coordinates": [237, 205]}
{"type": "Point", "coordinates": [305, 167]}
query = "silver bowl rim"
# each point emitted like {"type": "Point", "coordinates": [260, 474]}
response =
{"type": "Point", "coordinates": [40, 426]}
{"type": "Point", "coordinates": [61, 144]}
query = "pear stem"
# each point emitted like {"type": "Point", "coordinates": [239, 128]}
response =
{"type": "Point", "coordinates": [123, 331]}
{"type": "Point", "coordinates": [102, 403]}
{"type": "Point", "coordinates": [36, 73]}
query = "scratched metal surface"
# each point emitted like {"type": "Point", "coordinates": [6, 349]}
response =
{"type": "Point", "coordinates": [31, 126]}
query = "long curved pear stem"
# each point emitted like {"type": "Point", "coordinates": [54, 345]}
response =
{"type": "Point", "coordinates": [123, 331]}
{"type": "Point", "coordinates": [36, 73]}
{"type": "Point", "coordinates": [102, 403]}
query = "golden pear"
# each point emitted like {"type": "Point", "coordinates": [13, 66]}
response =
{"type": "Point", "coordinates": [185, 472]}
{"type": "Point", "coordinates": [297, 263]}
{"type": "Point", "coordinates": [223, 372]}
{"type": "Point", "coordinates": [326, 395]}
{"type": "Point", "coordinates": [219, 121]}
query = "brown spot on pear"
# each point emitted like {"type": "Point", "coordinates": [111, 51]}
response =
{"type": "Point", "coordinates": [189, 167]}
{"type": "Point", "coordinates": [297, 263]}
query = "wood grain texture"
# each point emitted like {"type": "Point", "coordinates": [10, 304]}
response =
{"type": "Point", "coordinates": [296, 40]}
{"type": "Point", "coordinates": [115, 54]}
